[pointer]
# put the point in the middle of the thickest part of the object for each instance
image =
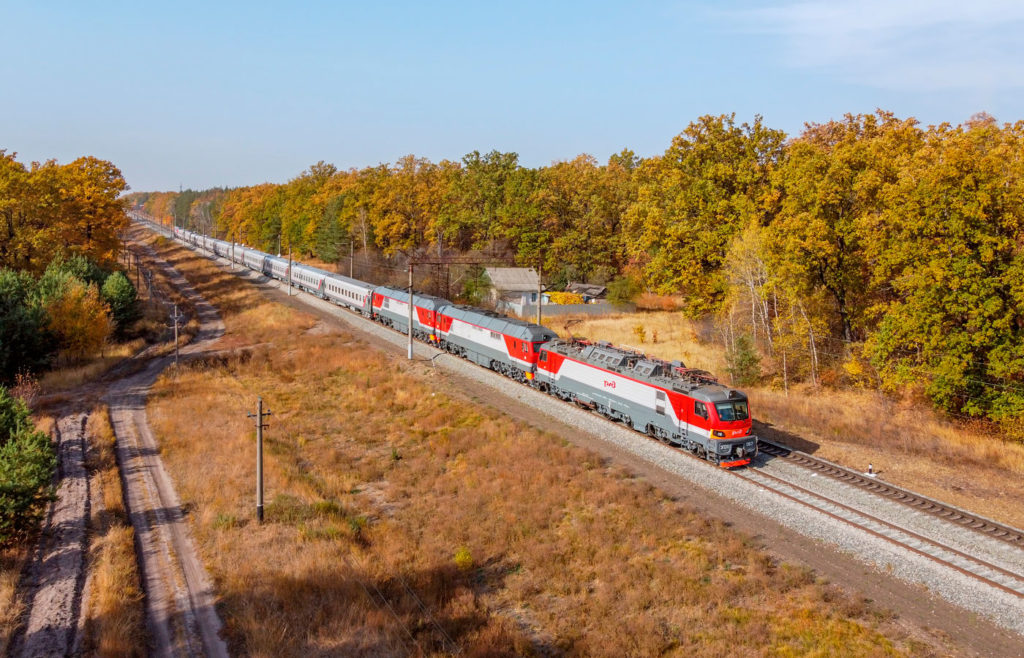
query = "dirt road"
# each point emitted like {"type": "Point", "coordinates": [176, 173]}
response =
{"type": "Point", "coordinates": [59, 564]}
{"type": "Point", "coordinates": [180, 614]}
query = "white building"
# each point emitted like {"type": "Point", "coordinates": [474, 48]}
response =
{"type": "Point", "coordinates": [513, 288]}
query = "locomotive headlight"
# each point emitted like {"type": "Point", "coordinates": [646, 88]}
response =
{"type": "Point", "coordinates": [719, 433]}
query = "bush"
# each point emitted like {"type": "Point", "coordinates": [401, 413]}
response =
{"type": "Point", "coordinates": [623, 289]}
{"type": "Point", "coordinates": [463, 559]}
{"type": "Point", "coordinates": [477, 286]}
{"type": "Point", "coordinates": [27, 462]}
{"type": "Point", "coordinates": [119, 293]}
{"type": "Point", "coordinates": [744, 364]}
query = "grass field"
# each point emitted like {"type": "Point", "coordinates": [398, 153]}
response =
{"type": "Point", "coordinates": [906, 441]}
{"type": "Point", "coordinates": [403, 520]}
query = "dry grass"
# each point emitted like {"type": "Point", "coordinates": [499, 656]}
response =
{"type": "Point", "coordinates": [663, 334]}
{"type": "Point", "coordinates": [115, 617]}
{"type": "Point", "coordinates": [64, 379]}
{"type": "Point", "coordinates": [402, 520]}
{"type": "Point", "coordinates": [909, 444]}
{"type": "Point", "coordinates": [12, 561]}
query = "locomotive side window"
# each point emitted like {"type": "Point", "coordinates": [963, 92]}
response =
{"type": "Point", "coordinates": [699, 409]}
{"type": "Point", "coordinates": [544, 357]}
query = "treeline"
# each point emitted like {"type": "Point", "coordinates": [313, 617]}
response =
{"type": "Point", "coordinates": [868, 250]}
{"type": "Point", "coordinates": [60, 295]}
{"type": "Point", "coordinates": [49, 210]}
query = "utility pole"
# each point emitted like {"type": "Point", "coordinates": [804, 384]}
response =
{"type": "Point", "coordinates": [260, 426]}
{"type": "Point", "coordinates": [351, 257]}
{"type": "Point", "coordinates": [410, 308]}
{"type": "Point", "coordinates": [540, 290]}
{"type": "Point", "coordinates": [177, 316]}
{"type": "Point", "coordinates": [289, 270]}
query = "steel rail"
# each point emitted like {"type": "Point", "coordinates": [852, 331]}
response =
{"type": "Point", "coordinates": [945, 511]}
{"type": "Point", "coordinates": [750, 476]}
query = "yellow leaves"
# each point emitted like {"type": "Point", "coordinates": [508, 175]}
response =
{"type": "Point", "coordinates": [79, 318]}
{"type": "Point", "coordinates": [53, 209]}
{"type": "Point", "coordinates": [565, 298]}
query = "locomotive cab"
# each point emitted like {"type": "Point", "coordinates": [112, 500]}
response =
{"type": "Point", "coordinates": [730, 441]}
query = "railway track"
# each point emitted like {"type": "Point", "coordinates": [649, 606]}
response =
{"type": "Point", "coordinates": [915, 501]}
{"type": "Point", "coordinates": [981, 570]}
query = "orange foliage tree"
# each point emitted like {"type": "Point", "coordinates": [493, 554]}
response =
{"type": "Point", "coordinates": [80, 320]}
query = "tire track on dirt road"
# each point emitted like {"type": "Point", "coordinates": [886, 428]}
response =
{"type": "Point", "coordinates": [180, 613]}
{"type": "Point", "coordinates": [57, 572]}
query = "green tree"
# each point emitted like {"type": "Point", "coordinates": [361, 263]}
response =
{"type": "Point", "coordinates": [27, 462]}
{"type": "Point", "coordinates": [26, 345]}
{"type": "Point", "coordinates": [948, 247]}
{"type": "Point", "coordinates": [712, 181]}
{"type": "Point", "coordinates": [744, 364]}
{"type": "Point", "coordinates": [120, 295]}
{"type": "Point", "coordinates": [831, 183]}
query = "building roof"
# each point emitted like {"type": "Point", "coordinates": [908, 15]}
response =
{"type": "Point", "coordinates": [513, 279]}
{"type": "Point", "coordinates": [588, 289]}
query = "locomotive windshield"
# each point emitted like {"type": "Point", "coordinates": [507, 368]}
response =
{"type": "Point", "coordinates": [736, 410]}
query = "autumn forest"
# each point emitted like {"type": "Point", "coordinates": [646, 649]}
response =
{"type": "Point", "coordinates": [867, 251]}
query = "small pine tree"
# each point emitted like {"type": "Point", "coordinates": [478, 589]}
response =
{"type": "Point", "coordinates": [744, 364]}
{"type": "Point", "coordinates": [27, 461]}
{"type": "Point", "coordinates": [119, 293]}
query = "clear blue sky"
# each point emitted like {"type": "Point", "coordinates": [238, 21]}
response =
{"type": "Point", "coordinates": [237, 93]}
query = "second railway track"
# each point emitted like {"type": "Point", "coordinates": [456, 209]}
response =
{"type": "Point", "coordinates": [969, 565]}
{"type": "Point", "coordinates": [920, 503]}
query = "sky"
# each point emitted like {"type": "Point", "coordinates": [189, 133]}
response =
{"type": "Point", "coordinates": [206, 94]}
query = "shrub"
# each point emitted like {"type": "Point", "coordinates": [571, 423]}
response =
{"type": "Point", "coordinates": [623, 289]}
{"type": "Point", "coordinates": [463, 559]}
{"type": "Point", "coordinates": [119, 293]}
{"type": "Point", "coordinates": [477, 286]}
{"type": "Point", "coordinates": [640, 333]}
{"type": "Point", "coordinates": [27, 461]}
{"type": "Point", "coordinates": [744, 364]}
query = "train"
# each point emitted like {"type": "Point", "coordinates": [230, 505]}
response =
{"type": "Point", "coordinates": [684, 407]}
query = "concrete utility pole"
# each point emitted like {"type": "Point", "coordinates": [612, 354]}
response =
{"type": "Point", "coordinates": [540, 290]}
{"type": "Point", "coordinates": [410, 309]}
{"type": "Point", "coordinates": [289, 270]}
{"type": "Point", "coordinates": [351, 258]}
{"type": "Point", "coordinates": [260, 426]}
{"type": "Point", "coordinates": [177, 316]}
